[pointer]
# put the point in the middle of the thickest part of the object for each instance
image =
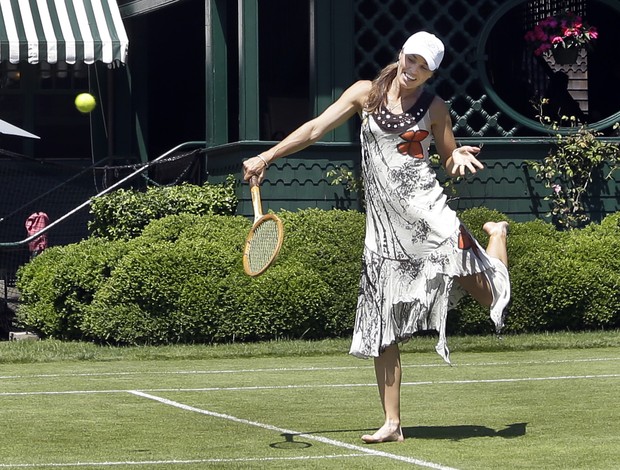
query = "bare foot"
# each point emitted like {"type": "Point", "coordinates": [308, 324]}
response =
{"type": "Point", "coordinates": [384, 434]}
{"type": "Point", "coordinates": [496, 228]}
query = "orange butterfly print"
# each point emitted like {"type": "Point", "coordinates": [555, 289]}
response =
{"type": "Point", "coordinates": [466, 241]}
{"type": "Point", "coordinates": [412, 145]}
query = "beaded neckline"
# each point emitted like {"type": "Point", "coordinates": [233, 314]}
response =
{"type": "Point", "coordinates": [389, 121]}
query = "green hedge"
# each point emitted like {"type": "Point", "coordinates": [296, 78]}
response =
{"type": "Point", "coordinates": [567, 280]}
{"type": "Point", "coordinates": [123, 214]}
{"type": "Point", "coordinates": [182, 280]}
{"type": "Point", "coordinates": [56, 286]}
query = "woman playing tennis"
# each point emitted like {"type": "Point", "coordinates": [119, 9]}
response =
{"type": "Point", "coordinates": [415, 246]}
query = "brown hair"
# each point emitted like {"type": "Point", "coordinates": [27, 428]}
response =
{"type": "Point", "coordinates": [380, 87]}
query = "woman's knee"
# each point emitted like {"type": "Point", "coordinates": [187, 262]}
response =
{"type": "Point", "coordinates": [477, 285]}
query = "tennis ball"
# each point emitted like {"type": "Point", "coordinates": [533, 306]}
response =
{"type": "Point", "coordinates": [85, 102]}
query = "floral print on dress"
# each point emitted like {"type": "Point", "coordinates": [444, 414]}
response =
{"type": "Point", "coordinates": [415, 245]}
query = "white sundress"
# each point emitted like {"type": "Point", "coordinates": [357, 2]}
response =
{"type": "Point", "coordinates": [415, 245]}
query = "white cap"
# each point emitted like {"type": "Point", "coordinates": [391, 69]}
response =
{"type": "Point", "coordinates": [426, 45]}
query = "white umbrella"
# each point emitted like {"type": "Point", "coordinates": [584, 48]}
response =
{"type": "Point", "coordinates": [6, 128]}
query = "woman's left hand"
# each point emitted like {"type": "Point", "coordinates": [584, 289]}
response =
{"type": "Point", "coordinates": [463, 159]}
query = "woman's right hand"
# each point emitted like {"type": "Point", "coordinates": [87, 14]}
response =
{"type": "Point", "coordinates": [254, 166]}
{"type": "Point", "coordinates": [463, 159]}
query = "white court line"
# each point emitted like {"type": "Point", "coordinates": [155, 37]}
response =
{"type": "Point", "coordinates": [314, 386]}
{"type": "Point", "coordinates": [302, 369]}
{"type": "Point", "coordinates": [176, 461]}
{"type": "Point", "coordinates": [324, 440]}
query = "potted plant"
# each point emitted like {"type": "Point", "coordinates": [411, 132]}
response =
{"type": "Point", "coordinates": [562, 35]}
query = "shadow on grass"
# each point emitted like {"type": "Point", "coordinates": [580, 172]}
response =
{"type": "Point", "coordinates": [454, 433]}
{"type": "Point", "coordinates": [466, 431]}
{"type": "Point", "coordinates": [289, 441]}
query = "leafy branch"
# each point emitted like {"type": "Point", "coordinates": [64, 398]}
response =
{"type": "Point", "coordinates": [575, 158]}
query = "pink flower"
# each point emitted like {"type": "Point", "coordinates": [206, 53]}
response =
{"type": "Point", "coordinates": [565, 29]}
{"type": "Point", "coordinates": [556, 188]}
{"type": "Point", "coordinates": [557, 40]}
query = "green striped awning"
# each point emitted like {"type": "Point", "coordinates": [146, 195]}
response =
{"type": "Point", "coordinates": [67, 31]}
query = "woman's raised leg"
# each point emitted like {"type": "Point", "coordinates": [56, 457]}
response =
{"type": "Point", "coordinates": [478, 284]}
{"type": "Point", "coordinates": [498, 232]}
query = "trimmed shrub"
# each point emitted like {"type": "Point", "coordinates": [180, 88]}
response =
{"type": "Point", "coordinates": [182, 280]}
{"type": "Point", "coordinates": [167, 288]}
{"type": "Point", "coordinates": [330, 244]}
{"type": "Point", "coordinates": [123, 214]}
{"type": "Point", "coordinates": [57, 285]}
{"type": "Point", "coordinates": [206, 296]}
{"type": "Point", "coordinates": [560, 280]}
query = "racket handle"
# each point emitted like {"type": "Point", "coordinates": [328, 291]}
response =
{"type": "Point", "coordinates": [257, 204]}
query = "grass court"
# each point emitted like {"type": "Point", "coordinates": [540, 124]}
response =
{"type": "Point", "coordinates": [529, 402]}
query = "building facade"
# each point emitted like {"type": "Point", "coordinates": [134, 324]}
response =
{"type": "Point", "coordinates": [238, 75]}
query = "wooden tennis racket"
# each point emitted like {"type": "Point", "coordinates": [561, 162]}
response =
{"type": "Point", "coordinates": [264, 241]}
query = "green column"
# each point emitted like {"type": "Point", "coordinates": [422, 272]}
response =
{"type": "Point", "coordinates": [249, 122]}
{"type": "Point", "coordinates": [216, 85]}
{"type": "Point", "coordinates": [331, 58]}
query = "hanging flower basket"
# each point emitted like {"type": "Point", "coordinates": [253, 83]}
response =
{"type": "Point", "coordinates": [565, 56]}
{"type": "Point", "coordinates": [564, 32]}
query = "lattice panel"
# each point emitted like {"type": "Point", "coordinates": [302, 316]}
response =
{"type": "Point", "coordinates": [383, 25]}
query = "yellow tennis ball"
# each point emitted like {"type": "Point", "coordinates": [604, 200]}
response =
{"type": "Point", "coordinates": [85, 102]}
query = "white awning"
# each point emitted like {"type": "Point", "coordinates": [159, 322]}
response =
{"type": "Point", "coordinates": [8, 128]}
{"type": "Point", "coordinates": [67, 31]}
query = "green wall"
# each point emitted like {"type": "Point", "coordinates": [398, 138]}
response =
{"type": "Point", "coordinates": [300, 181]}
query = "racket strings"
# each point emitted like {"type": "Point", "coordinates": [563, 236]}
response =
{"type": "Point", "coordinates": [264, 245]}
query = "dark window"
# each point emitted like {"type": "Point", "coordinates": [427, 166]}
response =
{"type": "Point", "coordinates": [175, 45]}
{"type": "Point", "coordinates": [284, 50]}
